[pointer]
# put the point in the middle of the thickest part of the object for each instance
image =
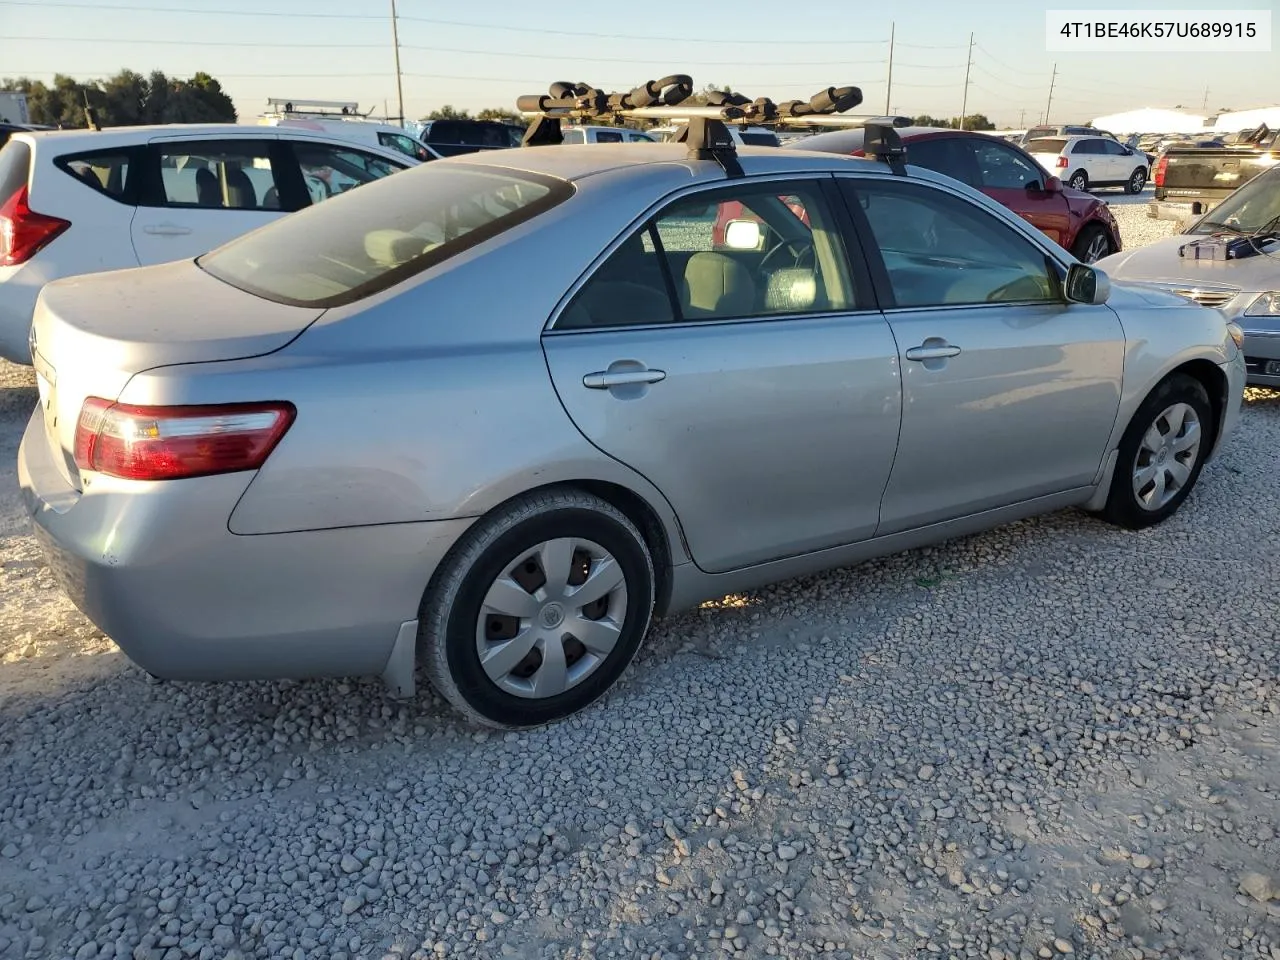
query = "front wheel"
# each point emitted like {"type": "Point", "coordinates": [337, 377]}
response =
{"type": "Point", "coordinates": [1137, 181]}
{"type": "Point", "coordinates": [1161, 454]}
{"type": "Point", "coordinates": [1092, 244]}
{"type": "Point", "coordinates": [537, 610]}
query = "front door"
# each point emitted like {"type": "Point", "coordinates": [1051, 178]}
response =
{"type": "Point", "coordinates": [203, 193]}
{"type": "Point", "coordinates": [1009, 393]}
{"type": "Point", "coordinates": [1015, 181]}
{"type": "Point", "coordinates": [744, 371]}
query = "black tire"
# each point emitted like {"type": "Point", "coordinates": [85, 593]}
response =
{"type": "Point", "coordinates": [1079, 181]}
{"type": "Point", "coordinates": [1137, 181]}
{"type": "Point", "coordinates": [452, 604]}
{"type": "Point", "coordinates": [1123, 507]}
{"type": "Point", "coordinates": [1086, 239]}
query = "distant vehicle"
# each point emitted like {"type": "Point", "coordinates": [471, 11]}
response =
{"type": "Point", "coordinates": [13, 108]}
{"type": "Point", "coordinates": [1065, 130]}
{"type": "Point", "coordinates": [451, 138]}
{"type": "Point", "coordinates": [81, 201]}
{"type": "Point", "coordinates": [340, 119]}
{"type": "Point", "coordinates": [1190, 180]}
{"type": "Point", "coordinates": [1087, 163]}
{"type": "Point", "coordinates": [742, 136]}
{"type": "Point", "coordinates": [1244, 288]}
{"type": "Point", "coordinates": [1007, 174]}
{"type": "Point", "coordinates": [590, 134]}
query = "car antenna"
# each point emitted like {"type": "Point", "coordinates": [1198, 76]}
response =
{"type": "Point", "coordinates": [706, 132]}
{"type": "Point", "coordinates": [90, 114]}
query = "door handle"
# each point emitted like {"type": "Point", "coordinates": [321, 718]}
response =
{"type": "Point", "coordinates": [938, 351]}
{"type": "Point", "coordinates": [166, 230]}
{"type": "Point", "coordinates": [604, 379]}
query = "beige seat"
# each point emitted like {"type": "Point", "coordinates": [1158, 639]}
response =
{"type": "Point", "coordinates": [717, 286]}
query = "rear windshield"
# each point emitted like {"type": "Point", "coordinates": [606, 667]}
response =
{"type": "Point", "coordinates": [15, 165]}
{"type": "Point", "coordinates": [1047, 145]}
{"type": "Point", "coordinates": [364, 241]}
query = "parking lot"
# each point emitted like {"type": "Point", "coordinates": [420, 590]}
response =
{"type": "Point", "coordinates": [1053, 739]}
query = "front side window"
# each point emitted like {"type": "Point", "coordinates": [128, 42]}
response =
{"type": "Point", "coordinates": [1004, 169]}
{"type": "Point", "coordinates": [608, 136]}
{"type": "Point", "coordinates": [940, 250]}
{"type": "Point", "coordinates": [736, 253]}
{"type": "Point", "coordinates": [353, 246]}
{"type": "Point", "coordinates": [228, 175]}
{"type": "Point", "coordinates": [329, 170]}
{"type": "Point", "coordinates": [406, 145]}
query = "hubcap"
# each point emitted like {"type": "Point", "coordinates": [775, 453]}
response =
{"type": "Point", "coordinates": [1166, 456]}
{"type": "Point", "coordinates": [1139, 181]}
{"type": "Point", "coordinates": [1096, 250]}
{"type": "Point", "coordinates": [551, 618]}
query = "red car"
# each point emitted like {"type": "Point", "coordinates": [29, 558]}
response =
{"type": "Point", "coordinates": [1006, 173]}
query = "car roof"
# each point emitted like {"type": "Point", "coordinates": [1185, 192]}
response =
{"type": "Point", "coordinates": [843, 141]}
{"type": "Point", "coordinates": [118, 136]}
{"type": "Point", "coordinates": [576, 162]}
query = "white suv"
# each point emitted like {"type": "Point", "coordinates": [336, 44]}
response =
{"type": "Point", "coordinates": [1085, 163]}
{"type": "Point", "coordinates": [83, 201]}
{"type": "Point", "coordinates": [589, 134]}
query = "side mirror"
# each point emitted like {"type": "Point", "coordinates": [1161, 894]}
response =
{"type": "Point", "coordinates": [1052, 185]}
{"type": "Point", "coordinates": [1085, 284]}
{"type": "Point", "coordinates": [743, 235]}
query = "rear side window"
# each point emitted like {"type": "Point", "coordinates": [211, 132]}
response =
{"type": "Point", "coordinates": [15, 167]}
{"type": "Point", "coordinates": [106, 171]}
{"type": "Point", "coordinates": [228, 175]}
{"type": "Point", "coordinates": [608, 136]}
{"type": "Point", "coordinates": [950, 156]}
{"type": "Point", "coordinates": [752, 138]}
{"type": "Point", "coordinates": [360, 243]}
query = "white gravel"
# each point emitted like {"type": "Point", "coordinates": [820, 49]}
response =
{"type": "Point", "coordinates": [1056, 739]}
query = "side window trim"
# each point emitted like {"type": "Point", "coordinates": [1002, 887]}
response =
{"type": "Point", "coordinates": [883, 285]}
{"type": "Point", "coordinates": [646, 223]}
{"type": "Point", "coordinates": [664, 265]}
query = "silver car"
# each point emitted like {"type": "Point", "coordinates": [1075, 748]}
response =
{"type": "Point", "coordinates": [1245, 288]}
{"type": "Point", "coordinates": [492, 415]}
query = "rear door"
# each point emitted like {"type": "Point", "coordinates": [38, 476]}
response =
{"type": "Point", "coordinates": [753, 382]}
{"type": "Point", "coordinates": [201, 193]}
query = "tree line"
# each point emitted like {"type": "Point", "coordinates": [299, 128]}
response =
{"type": "Point", "coordinates": [126, 99]}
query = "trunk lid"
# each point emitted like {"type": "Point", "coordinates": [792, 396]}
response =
{"type": "Point", "coordinates": [91, 334]}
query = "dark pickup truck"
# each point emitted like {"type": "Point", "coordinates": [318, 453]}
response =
{"type": "Point", "coordinates": [1190, 181]}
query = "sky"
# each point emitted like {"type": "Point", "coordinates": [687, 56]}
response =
{"type": "Point", "coordinates": [487, 53]}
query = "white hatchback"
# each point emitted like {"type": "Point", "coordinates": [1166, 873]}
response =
{"type": "Point", "coordinates": [83, 201]}
{"type": "Point", "coordinates": [1085, 163]}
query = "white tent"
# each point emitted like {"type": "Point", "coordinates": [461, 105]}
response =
{"type": "Point", "coordinates": [1151, 120]}
{"type": "Point", "coordinates": [1248, 119]}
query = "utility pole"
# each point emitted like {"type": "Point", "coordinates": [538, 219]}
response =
{"type": "Point", "coordinates": [1022, 116]}
{"type": "Point", "coordinates": [964, 102]}
{"type": "Point", "coordinates": [395, 39]}
{"type": "Point", "coordinates": [1205, 105]}
{"type": "Point", "coordinates": [1048, 105]}
{"type": "Point", "coordinates": [889, 91]}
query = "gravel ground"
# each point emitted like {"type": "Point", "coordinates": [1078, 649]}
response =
{"type": "Point", "coordinates": [1053, 739]}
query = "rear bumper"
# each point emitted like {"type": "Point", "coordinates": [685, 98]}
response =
{"type": "Point", "coordinates": [156, 569]}
{"type": "Point", "coordinates": [19, 289]}
{"type": "Point", "coordinates": [1178, 211]}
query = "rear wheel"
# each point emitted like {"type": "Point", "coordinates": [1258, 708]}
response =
{"type": "Point", "coordinates": [1137, 181]}
{"type": "Point", "coordinates": [1079, 180]}
{"type": "Point", "coordinates": [1092, 243]}
{"type": "Point", "coordinates": [538, 609]}
{"type": "Point", "coordinates": [1161, 454]}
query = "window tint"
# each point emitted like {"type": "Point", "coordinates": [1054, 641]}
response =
{"type": "Point", "coordinates": [406, 145]}
{"type": "Point", "coordinates": [950, 156]}
{"type": "Point", "coordinates": [353, 246]}
{"type": "Point", "coordinates": [940, 250]}
{"type": "Point", "coordinates": [733, 253]}
{"type": "Point", "coordinates": [1001, 168]}
{"type": "Point", "coordinates": [330, 170]}
{"type": "Point", "coordinates": [1047, 145]}
{"type": "Point", "coordinates": [1112, 147]}
{"type": "Point", "coordinates": [106, 172]}
{"type": "Point", "coordinates": [1088, 148]}
{"type": "Point", "coordinates": [608, 136]}
{"type": "Point", "coordinates": [232, 175]}
{"type": "Point", "coordinates": [755, 138]}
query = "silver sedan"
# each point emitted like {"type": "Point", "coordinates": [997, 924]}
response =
{"type": "Point", "coordinates": [493, 415]}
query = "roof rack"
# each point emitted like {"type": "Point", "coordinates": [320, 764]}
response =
{"type": "Point", "coordinates": [705, 132]}
{"type": "Point", "coordinates": [315, 108]}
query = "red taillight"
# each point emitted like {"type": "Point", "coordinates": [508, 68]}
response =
{"type": "Point", "coordinates": [1161, 164]}
{"type": "Point", "coordinates": [859, 153]}
{"type": "Point", "coordinates": [23, 232]}
{"type": "Point", "coordinates": [171, 443]}
{"type": "Point", "coordinates": [1063, 163]}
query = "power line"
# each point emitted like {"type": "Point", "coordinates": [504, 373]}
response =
{"type": "Point", "coordinates": [207, 11]}
{"type": "Point", "coordinates": [429, 49]}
